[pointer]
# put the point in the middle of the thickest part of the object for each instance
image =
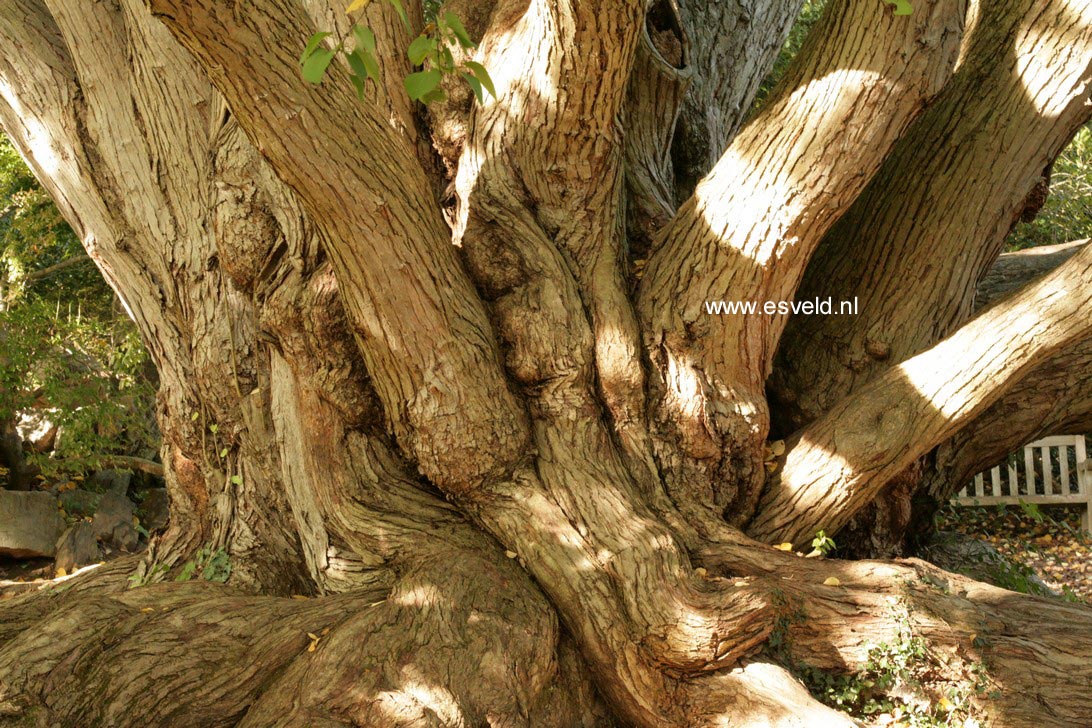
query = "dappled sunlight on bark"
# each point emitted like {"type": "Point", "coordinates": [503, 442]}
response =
{"type": "Point", "coordinates": [468, 469]}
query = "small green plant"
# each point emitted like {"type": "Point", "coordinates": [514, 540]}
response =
{"type": "Point", "coordinates": [900, 681]}
{"type": "Point", "coordinates": [210, 565]}
{"type": "Point", "coordinates": [145, 575]}
{"type": "Point", "coordinates": [432, 51]}
{"type": "Point", "coordinates": [823, 543]}
{"type": "Point", "coordinates": [1019, 577]}
{"type": "Point", "coordinates": [84, 376]}
{"type": "Point", "coordinates": [1032, 511]}
{"type": "Point", "coordinates": [788, 615]}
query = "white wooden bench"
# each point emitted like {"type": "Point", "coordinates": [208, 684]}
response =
{"type": "Point", "coordinates": [1056, 470]}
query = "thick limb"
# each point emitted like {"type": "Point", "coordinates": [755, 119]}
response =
{"type": "Point", "coordinates": [960, 175]}
{"type": "Point", "coordinates": [751, 226]}
{"type": "Point", "coordinates": [839, 463]}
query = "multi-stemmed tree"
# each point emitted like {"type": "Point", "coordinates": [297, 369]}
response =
{"type": "Point", "coordinates": [448, 370]}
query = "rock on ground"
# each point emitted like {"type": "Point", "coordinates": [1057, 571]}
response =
{"type": "Point", "coordinates": [112, 481]}
{"type": "Point", "coordinates": [77, 547]}
{"type": "Point", "coordinates": [30, 524]}
{"type": "Point", "coordinates": [154, 509]}
{"type": "Point", "coordinates": [79, 502]}
{"type": "Point", "coordinates": [113, 522]}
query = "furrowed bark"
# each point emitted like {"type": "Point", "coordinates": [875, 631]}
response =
{"type": "Point", "coordinates": [657, 86]}
{"type": "Point", "coordinates": [749, 229]}
{"type": "Point", "coordinates": [574, 520]}
{"type": "Point", "coordinates": [732, 48]}
{"type": "Point", "coordinates": [1054, 398]}
{"type": "Point", "coordinates": [1012, 271]}
{"type": "Point", "coordinates": [966, 627]}
{"type": "Point", "coordinates": [391, 42]}
{"type": "Point", "coordinates": [430, 620]}
{"type": "Point", "coordinates": [628, 626]}
{"type": "Point", "coordinates": [561, 176]}
{"type": "Point", "coordinates": [77, 114]}
{"type": "Point", "coordinates": [419, 324]}
{"type": "Point", "coordinates": [261, 316]}
{"type": "Point", "coordinates": [961, 175]}
{"type": "Point", "coordinates": [837, 464]}
{"type": "Point", "coordinates": [377, 657]}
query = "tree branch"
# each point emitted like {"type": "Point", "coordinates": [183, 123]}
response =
{"type": "Point", "coordinates": [539, 204]}
{"type": "Point", "coordinates": [657, 86]}
{"type": "Point", "coordinates": [125, 462]}
{"type": "Point", "coordinates": [753, 223]}
{"type": "Point", "coordinates": [961, 175]}
{"type": "Point", "coordinates": [56, 268]}
{"type": "Point", "coordinates": [733, 46]}
{"type": "Point", "coordinates": [45, 67]}
{"type": "Point", "coordinates": [420, 326]}
{"type": "Point", "coordinates": [1054, 398]}
{"type": "Point", "coordinates": [1013, 271]}
{"type": "Point", "coordinates": [839, 463]}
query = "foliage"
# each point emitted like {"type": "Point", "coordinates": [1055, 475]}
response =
{"type": "Point", "coordinates": [1038, 548]}
{"type": "Point", "coordinates": [902, 683]}
{"type": "Point", "coordinates": [1032, 511]}
{"type": "Point", "coordinates": [207, 563]}
{"type": "Point", "coordinates": [823, 543]}
{"type": "Point", "coordinates": [144, 575]}
{"type": "Point", "coordinates": [34, 237]}
{"type": "Point", "coordinates": [65, 352]}
{"type": "Point", "coordinates": [84, 375]}
{"type": "Point", "coordinates": [210, 565]}
{"type": "Point", "coordinates": [1067, 213]}
{"type": "Point", "coordinates": [432, 51]}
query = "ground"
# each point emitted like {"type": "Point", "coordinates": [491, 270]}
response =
{"type": "Point", "coordinates": [1047, 539]}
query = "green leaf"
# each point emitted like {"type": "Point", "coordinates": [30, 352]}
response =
{"type": "Point", "coordinates": [223, 453]}
{"type": "Point", "coordinates": [422, 84]}
{"type": "Point", "coordinates": [364, 66]}
{"type": "Point", "coordinates": [214, 428]}
{"type": "Point", "coordinates": [314, 68]}
{"type": "Point", "coordinates": [482, 75]}
{"type": "Point", "coordinates": [401, 10]}
{"type": "Point", "coordinates": [447, 61]}
{"type": "Point", "coordinates": [194, 416]}
{"type": "Point", "coordinates": [358, 84]}
{"type": "Point", "coordinates": [218, 567]}
{"type": "Point", "coordinates": [237, 479]}
{"type": "Point", "coordinates": [475, 86]}
{"type": "Point", "coordinates": [187, 571]}
{"type": "Point", "coordinates": [312, 45]}
{"type": "Point", "coordinates": [356, 63]}
{"type": "Point", "coordinates": [365, 38]}
{"type": "Point", "coordinates": [420, 49]}
{"type": "Point", "coordinates": [902, 7]}
{"type": "Point", "coordinates": [372, 66]}
{"type": "Point", "coordinates": [451, 20]}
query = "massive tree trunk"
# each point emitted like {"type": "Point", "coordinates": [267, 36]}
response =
{"type": "Point", "coordinates": [405, 372]}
